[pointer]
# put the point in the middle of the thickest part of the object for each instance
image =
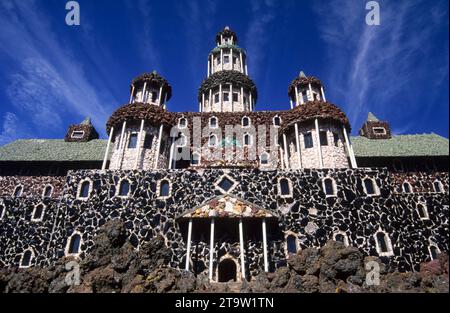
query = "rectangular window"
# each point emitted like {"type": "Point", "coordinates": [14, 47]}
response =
{"type": "Point", "coordinates": [77, 134]}
{"type": "Point", "coordinates": [379, 130]}
{"type": "Point", "coordinates": [226, 96]}
{"type": "Point", "coordinates": [132, 143]}
{"type": "Point", "coordinates": [148, 141]}
{"type": "Point", "coordinates": [308, 140]}
{"type": "Point", "coordinates": [336, 139]}
{"type": "Point", "coordinates": [235, 97]}
{"type": "Point", "coordinates": [226, 59]}
{"type": "Point", "coordinates": [323, 138]}
{"type": "Point", "coordinates": [216, 98]}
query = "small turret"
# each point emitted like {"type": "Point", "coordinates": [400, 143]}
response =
{"type": "Point", "coordinates": [82, 132]}
{"type": "Point", "coordinates": [304, 89]}
{"type": "Point", "coordinates": [373, 128]}
{"type": "Point", "coordinates": [150, 88]}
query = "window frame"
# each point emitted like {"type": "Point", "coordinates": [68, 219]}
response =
{"type": "Point", "coordinates": [80, 186]}
{"type": "Point", "coordinates": [82, 132]}
{"type": "Point", "coordinates": [45, 189]}
{"type": "Point", "coordinates": [290, 191]}
{"type": "Point", "coordinates": [388, 242]}
{"type": "Point", "coordinates": [333, 187]}
{"type": "Point", "coordinates": [216, 122]}
{"type": "Point", "coordinates": [376, 128]}
{"type": "Point", "coordinates": [119, 186]}
{"type": "Point", "coordinates": [249, 122]}
{"type": "Point", "coordinates": [159, 189]}
{"type": "Point", "coordinates": [133, 135]}
{"type": "Point", "coordinates": [32, 256]}
{"type": "Point", "coordinates": [310, 140]}
{"type": "Point", "coordinates": [374, 186]}
{"type": "Point", "coordinates": [67, 252]}
{"type": "Point", "coordinates": [342, 233]}
{"type": "Point", "coordinates": [41, 218]}
{"type": "Point", "coordinates": [14, 194]}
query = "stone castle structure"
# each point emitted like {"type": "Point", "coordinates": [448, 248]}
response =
{"type": "Point", "coordinates": [232, 190]}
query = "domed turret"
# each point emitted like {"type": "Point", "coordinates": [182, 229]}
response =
{"type": "Point", "coordinates": [150, 88]}
{"type": "Point", "coordinates": [305, 88]}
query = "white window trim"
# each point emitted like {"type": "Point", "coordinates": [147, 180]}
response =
{"type": "Point", "coordinates": [379, 128]}
{"type": "Point", "coordinates": [376, 189]}
{"type": "Point", "coordinates": [297, 242]}
{"type": "Point", "coordinates": [45, 188]}
{"type": "Point", "coordinates": [217, 184]}
{"type": "Point", "coordinates": [21, 192]}
{"type": "Point", "coordinates": [390, 249]}
{"type": "Point", "coordinates": [118, 188]}
{"type": "Point", "coordinates": [441, 186]}
{"type": "Point", "coordinates": [346, 243]}
{"type": "Point", "coordinates": [273, 121]}
{"type": "Point", "coordinates": [432, 244]}
{"type": "Point", "coordinates": [158, 189]}
{"type": "Point", "coordinates": [91, 184]}
{"type": "Point", "coordinates": [250, 141]}
{"type": "Point", "coordinates": [31, 258]}
{"type": "Point", "coordinates": [249, 122]}
{"type": "Point", "coordinates": [69, 240]}
{"type": "Point", "coordinates": [217, 121]}
{"type": "Point", "coordinates": [333, 182]}
{"type": "Point", "coordinates": [410, 187]}
{"type": "Point", "coordinates": [2, 214]}
{"type": "Point", "coordinates": [199, 158]}
{"type": "Point", "coordinates": [77, 137]}
{"type": "Point", "coordinates": [179, 123]}
{"type": "Point", "coordinates": [268, 159]}
{"type": "Point", "coordinates": [129, 139]}
{"type": "Point", "coordinates": [425, 208]}
{"type": "Point", "coordinates": [209, 141]}
{"type": "Point", "coordinates": [44, 207]}
{"type": "Point", "coordinates": [290, 195]}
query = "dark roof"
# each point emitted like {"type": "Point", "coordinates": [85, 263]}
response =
{"type": "Point", "coordinates": [401, 146]}
{"type": "Point", "coordinates": [53, 150]}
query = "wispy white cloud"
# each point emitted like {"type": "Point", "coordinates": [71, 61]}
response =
{"type": "Point", "coordinates": [372, 67]}
{"type": "Point", "coordinates": [45, 80]}
{"type": "Point", "coordinates": [12, 129]}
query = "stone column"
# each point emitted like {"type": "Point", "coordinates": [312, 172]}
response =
{"type": "Point", "coordinates": [209, 66]}
{"type": "Point", "coordinates": [105, 159]}
{"type": "Point", "coordinates": [281, 152]}
{"type": "Point", "coordinates": [211, 250]}
{"type": "Point", "coordinates": [319, 148]}
{"type": "Point", "coordinates": [311, 92]}
{"type": "Point", "coordinates": [292, 104]}
{"type": "Point", "coordinates": [121, 145]}
{"type": "Point", "coordinates": [172, 147]}
{"type": "Point", "coordinates": [323, 94]}
{"type": "Point", "coordinates": [160, 96]}
{"type": "Point", "coordinates": [143, 92]}
{"type": "Point", "coordinates": [231, 97]}
{"type": "Point", "coordinates": [351, 155]}
{"type": "Point", "coordinates": [264, 231]}
{"type": "Point", "coordinates": [250, 101]}
{"type": "Point", "coordinates": [242, 98]}
{"type": "Point", "coordinates": [189, 239]}
{"type": "Point", "coordinates": [165, 100]}
{"type": "Point", "coordinates": [296, 96]}
{"type": "Point", "coordinates": [221, 59]}
{"type": "Point", "coordinates": [159, 147]}
{"type": "Point", "coordinates": [132, 93]}
{"type": "Point", "coordinates": [246, 69]}
{"type": "Point", "coordinates": [297, 142]}
{"type": "Point", "coordinates": [241, 246]}
{"type": "Point", "coordinates": [138, 146]}
{"type": "Point", "coordinates": [210, 101]}
{"type": "Point", "coordinates": [220, 98]}
{"type": "Point", "coordinates": [286, 157]}
{"type": "Point", "coordinates": [203, 103]}
{"type": "Point", "coordinates": [231, 59]}
{"type": "Point", "coordinates": [241, 66]}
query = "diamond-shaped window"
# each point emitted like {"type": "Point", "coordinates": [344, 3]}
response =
{"type": "Point", "coordinates": [226, 184]}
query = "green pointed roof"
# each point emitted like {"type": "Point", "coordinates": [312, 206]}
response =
{"type": "Point", "coordinates": [372, 118]}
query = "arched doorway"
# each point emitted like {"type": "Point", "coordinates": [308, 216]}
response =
{"type": "Point", "coordinates": [227, 271]}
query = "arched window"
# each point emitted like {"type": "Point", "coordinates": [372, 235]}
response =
{"type": "Point", "coordinates": [18, 191]}
{"type": "Point", "coordinates": [291, 244]}
{"type": "Point", "coordinates": [213, 122]}
{"type": "Point", "coordinates": [247, 140]}
{"type": "Point", "coordinates": [264, 158]}
{"type": "Point", "coordinates": [164, 188]}
{"type": "Point", "coordinates": [434, 251]}
{"type": "Point", "coordinates": [182, 122]}
{"type": "Point", "coordinates": [245, 122]}
{"type": "Point", "coordinates": [422, 209]}
{"type": "Point", "coordinates": [74, 244]}
{"type": "Point", "coordinates": [195, 158]}
{"type": "Point", "coordinates": [328, 186]}
{"type": "Point", "coordinates": [369, 186]}
{"type": "Point", "coordinates": [212, 141]}
{"type": "Point", "coordinates": [124, 188]}
{"type": "Point", "coordinates": [38, 212]}
{"type": "Point", "coordinates": [438, 187]}
{"type": "Point", "coordinates": [277, 121]}
{"type": "Point", "coordinates": [48, 190]}
{"type": "Point", "coordinates": [383, 243]}
{"type": "Point", "coordinates": [25, 261]}
{"type": "Point", "coordinates": [407, 187]}
{"type": "Point", "coordinates": [285, 187]}
{"type": "Point", "coordinates": [85, 188]}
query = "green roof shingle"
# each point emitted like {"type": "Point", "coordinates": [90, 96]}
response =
{"type": "Point", "coordinates": [401, 146]}
{"type": "Point", "coordinates": [53, 150]}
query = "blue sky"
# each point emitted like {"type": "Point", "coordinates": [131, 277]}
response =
{"type": "Point", "coordinates": [53, 75]}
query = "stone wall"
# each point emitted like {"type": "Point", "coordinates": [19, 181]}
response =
{"type": "Point", "coordinates": [307, 213]}
{"type": "Point", "coordinates": [33, 186]}
{"type": "Point", "coordinates": [217, 66]}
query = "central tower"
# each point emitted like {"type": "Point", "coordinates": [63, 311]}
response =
{"type": "Point", "coordinates": [227, 87]}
